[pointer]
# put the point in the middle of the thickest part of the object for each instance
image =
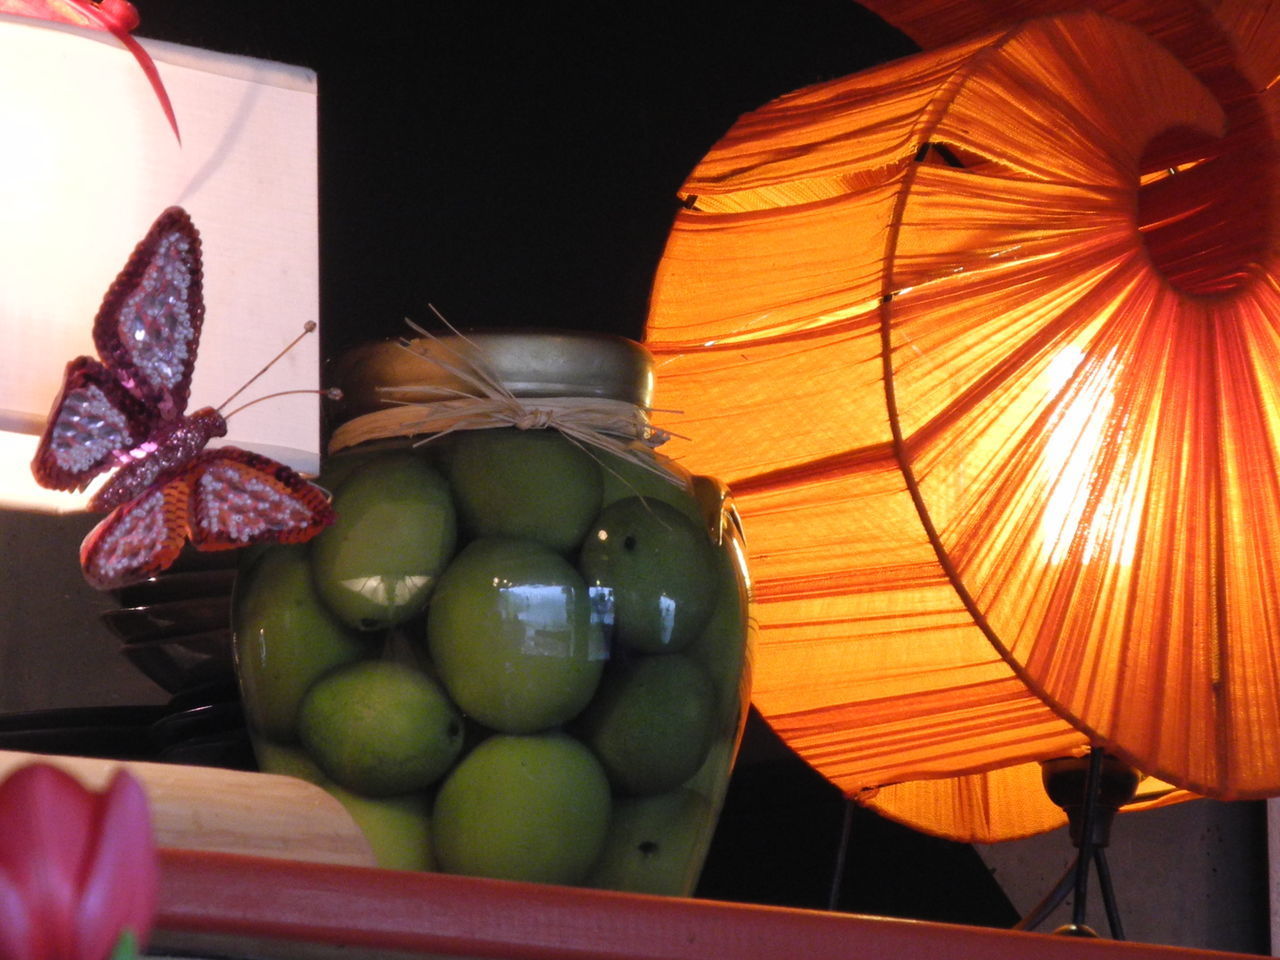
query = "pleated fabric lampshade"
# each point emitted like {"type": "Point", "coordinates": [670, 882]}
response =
{"type": "Point", "coordinates": [983, 341]}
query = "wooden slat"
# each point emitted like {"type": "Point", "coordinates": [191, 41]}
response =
{"type": "Point", "coordinates": [227, 811]}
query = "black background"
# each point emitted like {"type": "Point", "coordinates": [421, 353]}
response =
{"type": "Point", "coordinates": [517, 165]}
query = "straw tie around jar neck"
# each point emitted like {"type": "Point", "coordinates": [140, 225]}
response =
{"type": "Point", "coordinates": [616, 426]}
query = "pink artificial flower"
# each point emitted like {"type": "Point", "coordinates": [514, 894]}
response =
{"type": "Point", "coordinates": [77, 868]}
{"type": "Point", "coordinates": [117, 17]}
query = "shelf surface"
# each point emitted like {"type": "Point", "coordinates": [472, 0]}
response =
{"type": "Point", "coordinates": [229, 905]}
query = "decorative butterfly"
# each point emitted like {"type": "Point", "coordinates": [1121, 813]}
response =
{"type": "Point", "coordinates": [126, 410]}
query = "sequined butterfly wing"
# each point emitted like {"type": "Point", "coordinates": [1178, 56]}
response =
{"type": "Point", "coordinates": [94, 423]}
{"type": "Point", "coordinates": [137, 539]}
{"type": "Point", "coordinates": [146, 333]}
{"type": "Point", "coordinates": [225, 498]}
{"type": "Point", "coordinates": [238, 497]}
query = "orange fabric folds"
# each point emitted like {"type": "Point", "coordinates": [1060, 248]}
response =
{"type": "Point", "coordinates": [985, 342]}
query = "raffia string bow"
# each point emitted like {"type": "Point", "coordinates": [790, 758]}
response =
{"type": "Point", "coordinates": [483, 401]}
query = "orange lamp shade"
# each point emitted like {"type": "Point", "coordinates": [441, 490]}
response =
{"type": "Point", "coordinates": [985, 342]}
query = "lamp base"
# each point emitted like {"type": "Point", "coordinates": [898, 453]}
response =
{"type": "Point", "coordinates": [1076, 930]}
{"type": "Point", "coordinates": [1090, 789]}
{"type": "Point", "coordinates": [1066, 781]}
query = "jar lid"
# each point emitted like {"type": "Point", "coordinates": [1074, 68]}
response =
{"type": "Point", "coordinates": [529, 364]}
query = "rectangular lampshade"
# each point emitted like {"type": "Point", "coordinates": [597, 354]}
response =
{"type": "Point", "coordinates": [89, 162]}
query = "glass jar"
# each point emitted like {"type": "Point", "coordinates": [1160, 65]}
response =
{"type": "Point", "coordinates": [522, 651]}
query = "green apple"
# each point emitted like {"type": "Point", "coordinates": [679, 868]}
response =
{"type": "Point", "coordinates": [655, 844]}
{"type": "Point", "coordinates": [712, 778]}
{"type": "Point", "coordinates": [335, 470]}
{"type": "Point", "coordinates": [380, 728]}
{"type": "Point", "coordinates": [284, 639]}
{"type": "Point", "coordinates": [288, 762]}
{"type": "Point", "coordinates": [533, 808]}
{"type": "Point", "coordinates": [395, 532]}
{"type": "Point", "coordinates": [528, 484]}
{"type": "Point", "coordinates": [511, 633]}
{"type": "Point", "coordinates": [651, 723]}
{"type": "Point", "coordinates": [662, 479]}
{"type": "Point", "coordinates": [724, 643]}
{"type": "Point", "coordinates": [659, 568]}
{"type": "Point", "coordinates": [397, 828]}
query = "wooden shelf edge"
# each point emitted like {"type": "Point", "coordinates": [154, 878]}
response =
{"type": "Point", "coordinates": [225, 899]}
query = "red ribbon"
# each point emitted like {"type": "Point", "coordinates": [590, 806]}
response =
{"type": "Point", "coordinates": [117, 17]}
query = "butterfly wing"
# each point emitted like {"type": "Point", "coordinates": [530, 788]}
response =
{"type": "Point", "coordinates": [148, 328]}
{"type": "Point", "coordinates": [225, 498]}
{"type": "Point", "coordinates": [140, 538]}
{"type": "Point", "coordinates": [147, 332]}
{"type": "Point", "coordinates": [94, 421]}
{"type": "Point", "coordinates": [239, 497]}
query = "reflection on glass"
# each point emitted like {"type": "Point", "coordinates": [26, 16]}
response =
{"type": "Point", "coordinates": [666, 618]}
{"type": "Point", "coordinates": [603, 606]}
{"type": "Point", "coordinates": [544, 615]}
{"type": "Point", "coordinates": [388, 591]}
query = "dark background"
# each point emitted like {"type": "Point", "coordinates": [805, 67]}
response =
{"type": "Point", "coordinates": [517, 165]}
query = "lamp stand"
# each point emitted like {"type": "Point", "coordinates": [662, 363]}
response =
{"type": "Point", "coordinates": [1090, 789]}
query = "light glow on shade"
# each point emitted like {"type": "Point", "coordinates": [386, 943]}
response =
{"type": "Point", "coordinates": [89, 162]}
{"type": "Point", "coordinates": [969, 555]}
{"type": "Point", "coordinates": [19, 492]}
{"type": "Point", "coordinates": [1073, 456]}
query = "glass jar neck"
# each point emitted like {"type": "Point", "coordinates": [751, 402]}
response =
{"type": "Point", "coordinates": [592, 387]}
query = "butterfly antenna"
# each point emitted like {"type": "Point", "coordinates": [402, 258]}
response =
{"type": "Point", "coordinates": [308, 327]}
{"type": "Point", "coordinates": [332, 393]}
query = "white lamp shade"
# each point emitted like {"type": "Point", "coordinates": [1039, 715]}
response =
{"type": "Point", "coordinates": [89, 161]}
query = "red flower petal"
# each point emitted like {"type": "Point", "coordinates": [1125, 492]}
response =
{"type": "Point", "coordinates": [45, 822]}
{"type": "Point", "coordinates": [118, 891]}
{"type": "Point", "coordinates": [17, 938]}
